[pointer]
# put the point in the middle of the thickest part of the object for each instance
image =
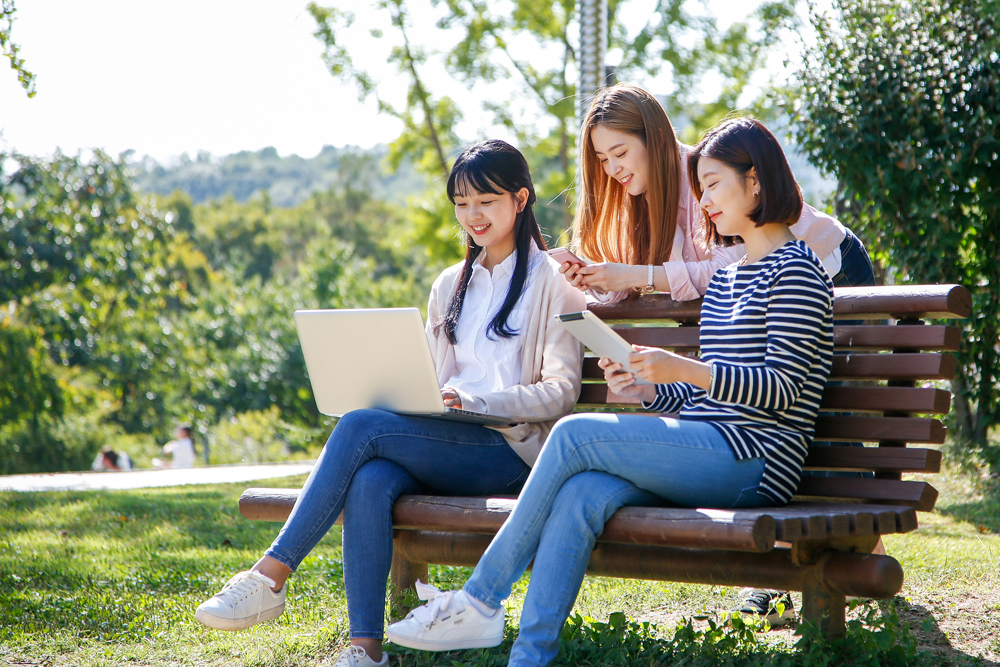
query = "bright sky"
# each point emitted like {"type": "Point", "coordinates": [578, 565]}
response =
{"type": "Point", "coordinates": [164, 78]}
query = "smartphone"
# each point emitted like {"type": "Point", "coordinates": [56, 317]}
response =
{"type": "Point", "coordinates": [562, 255]}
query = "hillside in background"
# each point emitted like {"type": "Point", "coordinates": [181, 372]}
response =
{"type": "Point", "coordinates": [288, 181]}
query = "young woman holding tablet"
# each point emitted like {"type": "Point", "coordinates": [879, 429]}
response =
{"type": "Point", "coordinates": [638, 219]}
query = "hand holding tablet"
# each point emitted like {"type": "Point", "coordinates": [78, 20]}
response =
{"type": "Point", "coordinates": [601, 339]}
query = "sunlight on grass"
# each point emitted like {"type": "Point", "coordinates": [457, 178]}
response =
{"type": "Point", "coordinates": [109, 578]}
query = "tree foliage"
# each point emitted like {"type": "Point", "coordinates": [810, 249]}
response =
{"type": "Point", "coordinates": [11, 49]}
{"type": "Point", "coordinates": [286, 180]}
{"type": "Point", "coordinates": [902, 104]}
{"type": "Point", "coordinates": [526, 50]}
{"type": "Point", "coordinates": [125, 314]}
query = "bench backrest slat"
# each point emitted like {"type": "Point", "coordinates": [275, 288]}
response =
{"type": "Point", "coordinates": [892, 367]}
{"type": "Point", "coordinates": [913, 400]}
{"type": "Point", "coordinates": [880, 429]}
{"type": "Point", "coordinates": [938, 338]}
{"type": "Point", "coordinates": [919, 495]}
{"type": "Point", "coordinates": [874, 459]}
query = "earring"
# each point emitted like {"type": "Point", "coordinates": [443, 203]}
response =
{"type": "Point", "coordinates": [757, 193]}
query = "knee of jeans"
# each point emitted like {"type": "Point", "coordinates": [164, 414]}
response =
{"type": "Point", "coordinates": [563, 435]}
{"type": "Point", "coordinates": [586, 499]}
{"type": "Point", "coordinates": [375, 484]}
{"type": "Point", "coordinates": [356, 426]}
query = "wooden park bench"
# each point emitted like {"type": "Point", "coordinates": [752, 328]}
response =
{"type": "Point", "coordinates": [832, 524]}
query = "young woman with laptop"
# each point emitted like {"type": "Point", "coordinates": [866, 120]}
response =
{"type": "Point", "coordinates": [747, 409]}
{"type": "Point", "coordinates": [498, 349]}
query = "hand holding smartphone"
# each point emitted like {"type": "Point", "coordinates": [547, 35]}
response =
{"type": "Point", "coordinates": [562, 255]}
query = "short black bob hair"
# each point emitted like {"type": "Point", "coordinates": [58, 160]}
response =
{"type": "Point", "coordinates": [744, 144]}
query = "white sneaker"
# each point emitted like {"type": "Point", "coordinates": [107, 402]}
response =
{"type": "Point", "coordinates": [449, 621]}
{"type": "Point", "coordinates": [355, 656]}
{"type": "Point", "coordinates": [246, 600]}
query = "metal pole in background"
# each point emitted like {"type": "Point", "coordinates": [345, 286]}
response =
{"type": "Point", "coordinates": [593, 48]}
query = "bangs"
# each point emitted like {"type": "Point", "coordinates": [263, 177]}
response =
{"type": "Point", "coordinates": [471, 179]}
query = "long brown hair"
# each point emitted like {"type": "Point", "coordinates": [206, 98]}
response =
{"type": "Point", "coordinates": [610, 224]}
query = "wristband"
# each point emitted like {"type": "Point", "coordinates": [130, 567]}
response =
{"type": "Point", "coordinates": [649, 282]}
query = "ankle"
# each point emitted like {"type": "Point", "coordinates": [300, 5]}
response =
{"type": "Point", "coordinates": [274, 570]}
{"type": "Point", "coordinates": [372, 647]}
{"type": "Point", "coordinates": [480, 606]}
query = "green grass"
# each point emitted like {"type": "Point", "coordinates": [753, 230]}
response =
{"type": "Point", "coordinates": [113, 578]}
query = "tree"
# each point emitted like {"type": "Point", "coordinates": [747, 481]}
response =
{"type": "Point", "coordinates": [11, 49]}
{"type": "Point", "coordinates": [103, 273]}
{"type": "Point", "coordinates": [28, 385]}
{"type": "Point", "coordinates": [902, 103]}
{"type": "Point", "coordinates": [530, 44]}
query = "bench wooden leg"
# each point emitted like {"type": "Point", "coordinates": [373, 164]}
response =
{"type": "Point", "coordinates": [821, 606]}
{"type": "Point", "coordinates": [403, 575]}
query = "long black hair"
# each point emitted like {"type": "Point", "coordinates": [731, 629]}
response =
{"type": "Point", "coordinates": [494, 167]}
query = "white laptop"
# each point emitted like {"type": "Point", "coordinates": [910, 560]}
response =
{"type": "Point", "coordinates": [374, 358]}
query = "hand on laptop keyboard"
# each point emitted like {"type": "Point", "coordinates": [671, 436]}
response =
{"type": "Point", "coordinates": [451, 398]}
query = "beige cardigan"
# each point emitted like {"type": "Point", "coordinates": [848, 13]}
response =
{"type": "Point", "coordinates": [551, 358]}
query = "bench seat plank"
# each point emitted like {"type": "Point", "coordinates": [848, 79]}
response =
{"type": "Point", "coordinates": [705, 528]}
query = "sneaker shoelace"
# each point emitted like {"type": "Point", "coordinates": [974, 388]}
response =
{"type": "Point", "coordinates": [438, 602]}
{"type": "Point", "coordinates": [243, 585]}
{"type": "Point", "coordinates": [350, 656]}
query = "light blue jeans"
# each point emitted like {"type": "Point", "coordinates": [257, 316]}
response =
{"type": "Point", "coordinates": [591, 465]}
{"type": "Point", "coordinates": [371, 458]}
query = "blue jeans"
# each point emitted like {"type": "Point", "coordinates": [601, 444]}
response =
{"type": "Point", "coordinates": [591, 465]}
{"type": "Point", "coordinates": [855, 271]}
{"type": "Point", "coordinates": [856, 267]}
{"type": "Point", "coordinates": [371, 458]}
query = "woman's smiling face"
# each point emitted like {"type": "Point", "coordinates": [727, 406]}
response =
{"type": "Point", "coordinates": [727, 196]}
{"type": "Point", "coordinates": [623, 157]}
{"type": "Point", "coordinates": [489, 218]}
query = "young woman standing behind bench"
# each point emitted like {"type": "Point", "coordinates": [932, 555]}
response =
{"type": "Point", "coordinates": [747, 413]}
{"type": "Point", "coordinates": [638, 218]}
{"type": "Point", "coordinates": [498, 350]}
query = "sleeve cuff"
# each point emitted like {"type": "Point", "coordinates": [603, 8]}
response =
{"type": "Point", "coordinates": [474, 403]}
{"type": "Point", "coordinates": [658, 404]}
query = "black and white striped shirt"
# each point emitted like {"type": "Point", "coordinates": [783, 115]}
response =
{"type": "Point", "coordinates": [767, 329]}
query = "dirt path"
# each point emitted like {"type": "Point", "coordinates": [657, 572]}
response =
{"type": "Point", "coordinates": [137, 479]}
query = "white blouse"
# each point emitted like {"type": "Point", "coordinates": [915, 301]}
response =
{"type": "Point", "coordinates": [484, 363]}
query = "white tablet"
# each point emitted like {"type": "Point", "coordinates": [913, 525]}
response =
{"type": "Point", "coordinates": [599, 338]}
